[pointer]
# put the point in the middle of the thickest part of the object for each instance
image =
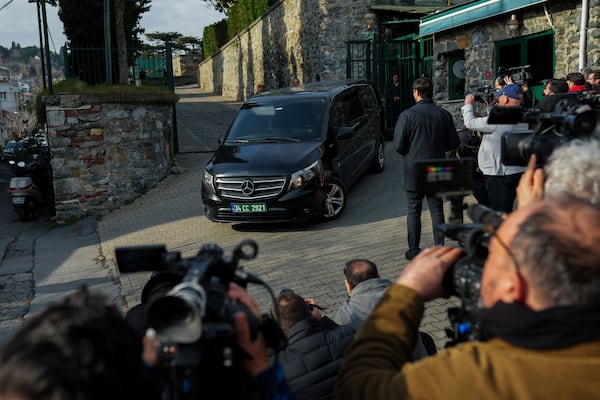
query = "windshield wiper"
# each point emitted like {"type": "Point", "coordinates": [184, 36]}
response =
{"type": "Point", "coordinates": [273, 139]}
{"type": "Point", "coordinates": [265, 139]}
{"type": "Point", "coordinates": [244, 140]}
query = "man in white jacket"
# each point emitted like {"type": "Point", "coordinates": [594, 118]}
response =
{"type": "Point", "coordinates": [501, 180]}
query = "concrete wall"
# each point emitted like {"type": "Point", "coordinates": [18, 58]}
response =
{"type": "Point", "coordinates": [105, 154]}
{"type": "Point", "coordinates": [295, 38]}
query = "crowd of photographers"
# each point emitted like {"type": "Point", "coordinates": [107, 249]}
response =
{"type": "Point", "coordinates": [540, 281]}
{"type": "Point", "coordinates": [539, 293]}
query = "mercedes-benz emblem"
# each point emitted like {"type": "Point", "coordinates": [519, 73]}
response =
{"type": "Point", "coordinates": [247, 187]}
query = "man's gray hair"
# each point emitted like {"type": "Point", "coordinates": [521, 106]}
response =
{"type": "Point", "coordinates": [573, 170]}
{"type": "Point", "coordinates": [558, 247]}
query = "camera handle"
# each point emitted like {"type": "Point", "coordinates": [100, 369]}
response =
{"type": "Point", "coordinates": [456, 208]}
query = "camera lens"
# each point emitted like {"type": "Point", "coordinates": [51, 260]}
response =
{"type": "Point", "coordinates": [581, 123]}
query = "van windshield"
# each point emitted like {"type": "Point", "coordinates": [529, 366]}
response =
{"type": "Point", "coordinates": [294, 119]}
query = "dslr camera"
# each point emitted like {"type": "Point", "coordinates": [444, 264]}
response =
{"type": "Point", "coordinates": [556, 120]}
{"type": "Point", "coordinates": [452, 178]}
{"type": "Point", "coordinates": [198, 356]}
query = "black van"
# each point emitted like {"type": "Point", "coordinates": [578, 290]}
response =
{"type": "Point", "coordinates": [290, 155]}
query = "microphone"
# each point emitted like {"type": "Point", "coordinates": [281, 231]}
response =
{"type": "Point", "coordinates": [489, 218]}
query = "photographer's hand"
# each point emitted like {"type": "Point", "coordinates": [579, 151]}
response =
{"type": "Point", "coordinates": [469, 100]}
{"type": "Point", "coordinates": [426, 272]}
{"type": "Point", "coordinates": [257, 350]}
{"type": "Point", "coordinates": [531, 184]}
{"type": "Point", "coordinates": [150, 344]}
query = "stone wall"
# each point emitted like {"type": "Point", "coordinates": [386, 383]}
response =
{"type": "Point", "coordinates": [105, 154]}
{"type": "Point", "coordinates": [478, 42]}
{"type": "Point", "coordinates": [295, 38]}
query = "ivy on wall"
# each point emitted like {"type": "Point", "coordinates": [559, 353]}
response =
{"type": "Point", "coordinates": [214, 37]}
{"type": "Point", "coordinates": [239, 17]}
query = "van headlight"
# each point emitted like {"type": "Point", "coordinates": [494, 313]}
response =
{"type": "Point", "coordinates": [304, 175]}
{"type": "Point", "coordinates": [209, 181]}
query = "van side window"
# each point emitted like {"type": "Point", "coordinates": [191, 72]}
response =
{"type": "Point", "coordinates": [338, 114]}
{"type": "Point", "coordinates": [368, 98]}
{"type": "Point", "coordinates": [354, 106]}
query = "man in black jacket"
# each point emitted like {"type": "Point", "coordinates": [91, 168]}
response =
{"type": "Point", "coordinates": [424, 131]}
{"type": "Point", "coordinates": [314, 348]}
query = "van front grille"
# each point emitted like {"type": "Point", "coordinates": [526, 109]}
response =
{"type": "Point", "coordinates": [250, 188]}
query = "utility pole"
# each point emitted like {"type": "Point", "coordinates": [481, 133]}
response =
{"type": "Point", "coordinates": [46, 45]}
{"type": "Point", "coordinates": [42, 57]}
{"type": "Point", "coordinates": [47, 42]}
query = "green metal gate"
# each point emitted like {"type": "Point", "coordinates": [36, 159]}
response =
{"type": "Point", "coordinates": [376, 61]}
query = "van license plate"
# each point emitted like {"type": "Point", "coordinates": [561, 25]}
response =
{"type": "Point", "coordinates": [18, 201]}
{"type": "Point", "coordinates": [249, 208]}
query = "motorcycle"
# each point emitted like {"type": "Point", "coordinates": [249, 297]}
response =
{"type": "Point", "coordinates": [31, 188]}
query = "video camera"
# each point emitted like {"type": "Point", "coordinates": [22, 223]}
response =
{"type": "Point", "coordinates": [484, 94]}
{"type": "Point", "coordinates": [198, 355]}
{"type": "Point", "coordinates": [519, 75]}
{"type": "Point", "coordinates": [556, 120]}
{"type": "Point", "coordinates": [452, 178]}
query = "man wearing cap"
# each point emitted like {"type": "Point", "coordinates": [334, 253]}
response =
{"type": "Point", "coordinates": [501, 180]}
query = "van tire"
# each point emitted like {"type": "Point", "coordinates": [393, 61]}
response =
{"type": "Point", "coordinates": [335, 200]}
{"type": "Point", "coordinates": [378, 163]}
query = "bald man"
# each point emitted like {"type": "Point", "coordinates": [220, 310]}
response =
{"type": "Point", "coordinates": [540, 290]}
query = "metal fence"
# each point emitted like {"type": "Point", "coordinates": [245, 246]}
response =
{"type": "Point", "coordinates": [148, 65]}
{"type": "Point", "coordinates": [377, 60]}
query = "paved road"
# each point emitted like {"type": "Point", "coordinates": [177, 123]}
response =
{"type": "Point", "coordinates": [16, 263]}
{"type": "Point", "coordinates": [307, 258]}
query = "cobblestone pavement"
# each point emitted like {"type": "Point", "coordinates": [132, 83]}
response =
{"type": "Point", "coordinates": [40, 265]}
{"type": "Point", "coordinates": [307, 258]}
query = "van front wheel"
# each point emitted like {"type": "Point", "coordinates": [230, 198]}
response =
{"type": "Point", "coordinates": [335, 199]}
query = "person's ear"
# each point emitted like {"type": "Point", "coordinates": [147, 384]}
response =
{"type": "Point", "coordinates": [514, 288]}
{"type": "Point", "coordinates": [348, 285]}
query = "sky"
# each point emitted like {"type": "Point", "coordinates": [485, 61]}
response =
{"type": "Point", "coordinates": [18, 21]}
